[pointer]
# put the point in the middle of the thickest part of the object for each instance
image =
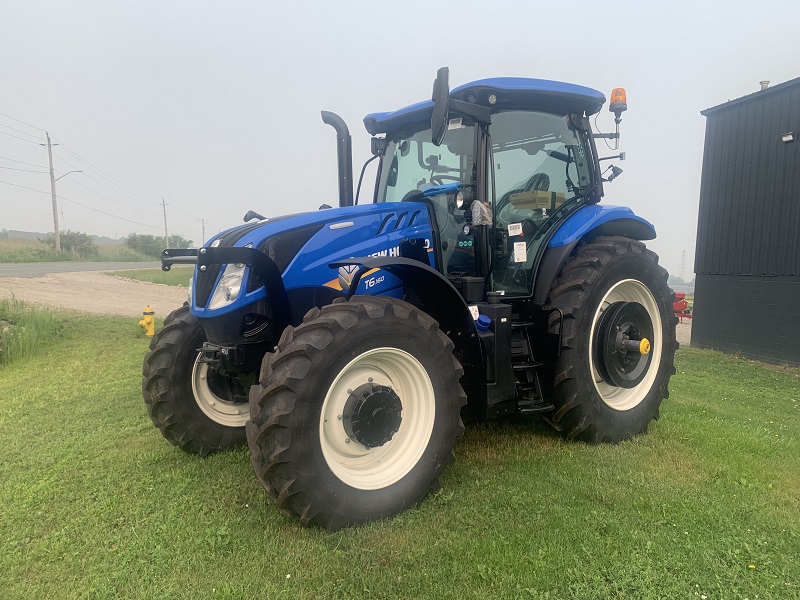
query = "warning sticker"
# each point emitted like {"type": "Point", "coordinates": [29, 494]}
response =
{"type": "Point", "coordinates": [475, 313]}
{"type": "Point", "coordinates": [520, 252]}
{"type": "Point", "coordinates": [514, 229]}
{"type": "Point", "coordinates": [454, 123]}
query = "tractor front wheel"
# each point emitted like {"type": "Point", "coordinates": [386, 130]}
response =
{"type": "Point", "coordinates": [194, 406]}
{"type": "Point", "coordinates": [618, 341]}
{"type": "Point", "coordinates": [356, 413]}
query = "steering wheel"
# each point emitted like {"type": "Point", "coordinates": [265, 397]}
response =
{"type": "Point", "coordinates": [538, 182]}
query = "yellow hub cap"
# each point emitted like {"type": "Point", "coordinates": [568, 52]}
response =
{"type": "Point", "coordinates": [644, 346]}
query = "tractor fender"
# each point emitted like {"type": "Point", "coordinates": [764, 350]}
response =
{"type": "Point", "coordinates": [437, 297]}
{"type": "Point", "coordinates": [584, 224]}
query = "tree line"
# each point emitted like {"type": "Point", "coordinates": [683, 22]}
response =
{"type": "Point", "coordinates": [83, 245]}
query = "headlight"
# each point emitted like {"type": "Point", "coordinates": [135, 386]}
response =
{"type": "Point", "coordinates": [189, 291]}
{"type": "Point", "coordinates": [229, 286]}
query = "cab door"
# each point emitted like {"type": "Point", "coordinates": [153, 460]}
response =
{"type": "Point", "coordinates": [538, 164]}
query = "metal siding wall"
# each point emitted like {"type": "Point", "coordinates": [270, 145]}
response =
{"type": "Point", "coordinates": [758, 317]}
{"type": "Point", "coordinates": [749, 216]}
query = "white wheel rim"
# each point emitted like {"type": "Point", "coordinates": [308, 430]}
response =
{"type": "Point", "coordinates": [219, 410]}
{"type": "Point", "coordinates": [376, 468]}
{"type": "Point", "coordinates": [618, 398]}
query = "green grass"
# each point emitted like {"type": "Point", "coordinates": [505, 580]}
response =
{"type": "Point", "coordinates": [175, 276]}
{"type": "Point", "coordinates": [24, 330]}
{"type": "Point", "coordinates": [27, 251]}
{"type": "Point", "coordinates": [95, 504]}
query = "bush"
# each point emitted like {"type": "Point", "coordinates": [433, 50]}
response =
{"type": "Point", "coordinates": [151, 245]}
{"type": "Point", "coordinates": [76, 243]}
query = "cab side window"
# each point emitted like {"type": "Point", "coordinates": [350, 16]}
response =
{"type": "Point", "coordinates": [538, 164]}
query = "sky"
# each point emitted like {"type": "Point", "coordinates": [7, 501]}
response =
{"type": "Point", "coordinates": [214, 106]}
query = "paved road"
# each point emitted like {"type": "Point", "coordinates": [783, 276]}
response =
{"type": "Point", "coordinates": [42, 269]}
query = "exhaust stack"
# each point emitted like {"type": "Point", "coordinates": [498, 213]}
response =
{"type": "Point", "coordinates": [344, 155]}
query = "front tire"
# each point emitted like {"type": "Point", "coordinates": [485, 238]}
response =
{"type": "Point", "coordinates": [195, 407]}
{"type": "Point", "coordinates": [356, 413]}
{"type": "Point", "coordinates": [612, 292]}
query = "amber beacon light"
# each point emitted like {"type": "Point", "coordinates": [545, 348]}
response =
{"type": "Point", "coordinates": [619, 101]}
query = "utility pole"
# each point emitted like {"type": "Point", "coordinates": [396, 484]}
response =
{"type": "Point", "coordinates": [56, 232]}
{"type": "Point", "coordinates": [166, 235]}
{"type": "Point", "coordinates": [203, 225]}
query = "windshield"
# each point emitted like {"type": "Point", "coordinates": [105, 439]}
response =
{"type": "Point", "coordinates": [412, 163]}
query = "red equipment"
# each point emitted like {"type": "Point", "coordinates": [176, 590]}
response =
{"type": "Point", "coordinates": [681, 306]}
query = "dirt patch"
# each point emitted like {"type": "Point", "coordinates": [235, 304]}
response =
{"type": "Point", "coordinates": [95, 293]}
{"type": "Point", "coordinates": [683, 331]}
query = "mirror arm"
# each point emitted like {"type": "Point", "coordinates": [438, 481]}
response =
{"type": "Point", "coordinates": [480, 113]}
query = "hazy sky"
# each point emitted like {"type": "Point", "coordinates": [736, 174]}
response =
{"type": "Point", "coordinates": [215, 105]}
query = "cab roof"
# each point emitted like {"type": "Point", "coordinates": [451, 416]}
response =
{"type": "Point", "coordinates": [511, 93]}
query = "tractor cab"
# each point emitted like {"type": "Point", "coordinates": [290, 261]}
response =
{"type": "Point", "coordinates": [516, 158]}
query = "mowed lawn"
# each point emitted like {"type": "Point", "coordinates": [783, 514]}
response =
{"type": "Point", "coordinates": [94, 503]}
{"type": "Point", "coordinates": [179, 275]}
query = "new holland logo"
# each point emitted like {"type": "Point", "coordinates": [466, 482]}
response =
{"type": "Point", "coordinates": [346, 274]}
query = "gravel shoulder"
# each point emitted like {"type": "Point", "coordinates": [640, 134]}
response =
{"type": "Point", "coordinates": [95, 293]}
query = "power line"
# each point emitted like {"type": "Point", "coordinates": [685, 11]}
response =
{"type": "Point", "coordinates": [118, 183]}
{"type": "Point", "coordinates": [22, 162]}
{"type": "Point", "coordinates": [75, 181]}
{"type": "Point", "coordinates": [103, 184]}
{"type": "Point", "coordinates": [100, 171]}
{"type": "Point", "coordinates": [180, 211]}
{"type": "Point", "coordinates": [26, 170]}
{"type": "Point", "coordinates": [20, 131]}
{"type": "Point", "coordinates": [109, 214]}
{"type": "Point", "coordinates": [83, 205]}
{"type": "Point", "coordinates": [24, 187]}
{"type": "Point", "coordinates": [19, 138]}
{"type": "Point", "coordinates": [23, 122]}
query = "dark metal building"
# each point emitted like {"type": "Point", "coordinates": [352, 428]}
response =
{"type": "Point", "coordinates": [747, 264]}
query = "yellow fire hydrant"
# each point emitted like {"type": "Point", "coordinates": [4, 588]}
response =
{"type": "Point", "coordinates": [148, 322]}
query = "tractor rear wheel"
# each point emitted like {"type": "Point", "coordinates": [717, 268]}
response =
{"type": "Point", "coordinates": [618, 343]}
{"type": "Point", "coordinates": [195, 407]}
{"type": "Point", "coordinates": [357, 412]}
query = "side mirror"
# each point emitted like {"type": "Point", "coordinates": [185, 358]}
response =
{"type": "Point", "coordinates": [441, 101]}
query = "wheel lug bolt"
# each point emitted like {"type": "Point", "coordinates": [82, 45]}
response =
{"type": "Point", "coordinates": [370, 379]}
{"type": "Point", "coordinates": [349, 391]}
{"type": "Point", "coordinates": [346, 440]}
{"type": "Point", "coordinates": [339, 417]}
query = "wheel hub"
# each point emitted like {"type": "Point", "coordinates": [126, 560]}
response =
{"type": "Point", "coordinates": [622, 351]}
{"type": "Point", "coordinates": [372, 414]}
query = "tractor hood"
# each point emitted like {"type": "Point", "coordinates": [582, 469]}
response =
{"type": "Point", "coordinates": [302, 247]}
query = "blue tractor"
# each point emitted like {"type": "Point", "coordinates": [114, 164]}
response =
{"type": "Point", "coordinates": [481, 278]}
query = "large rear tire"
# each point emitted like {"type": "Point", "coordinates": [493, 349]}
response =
{"type": "Point", "coordinates": [196, 408]}
{"type": "Point", "coordinates": [612, 292]}
{"type": "Point", "coordinates": [356, 413]}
